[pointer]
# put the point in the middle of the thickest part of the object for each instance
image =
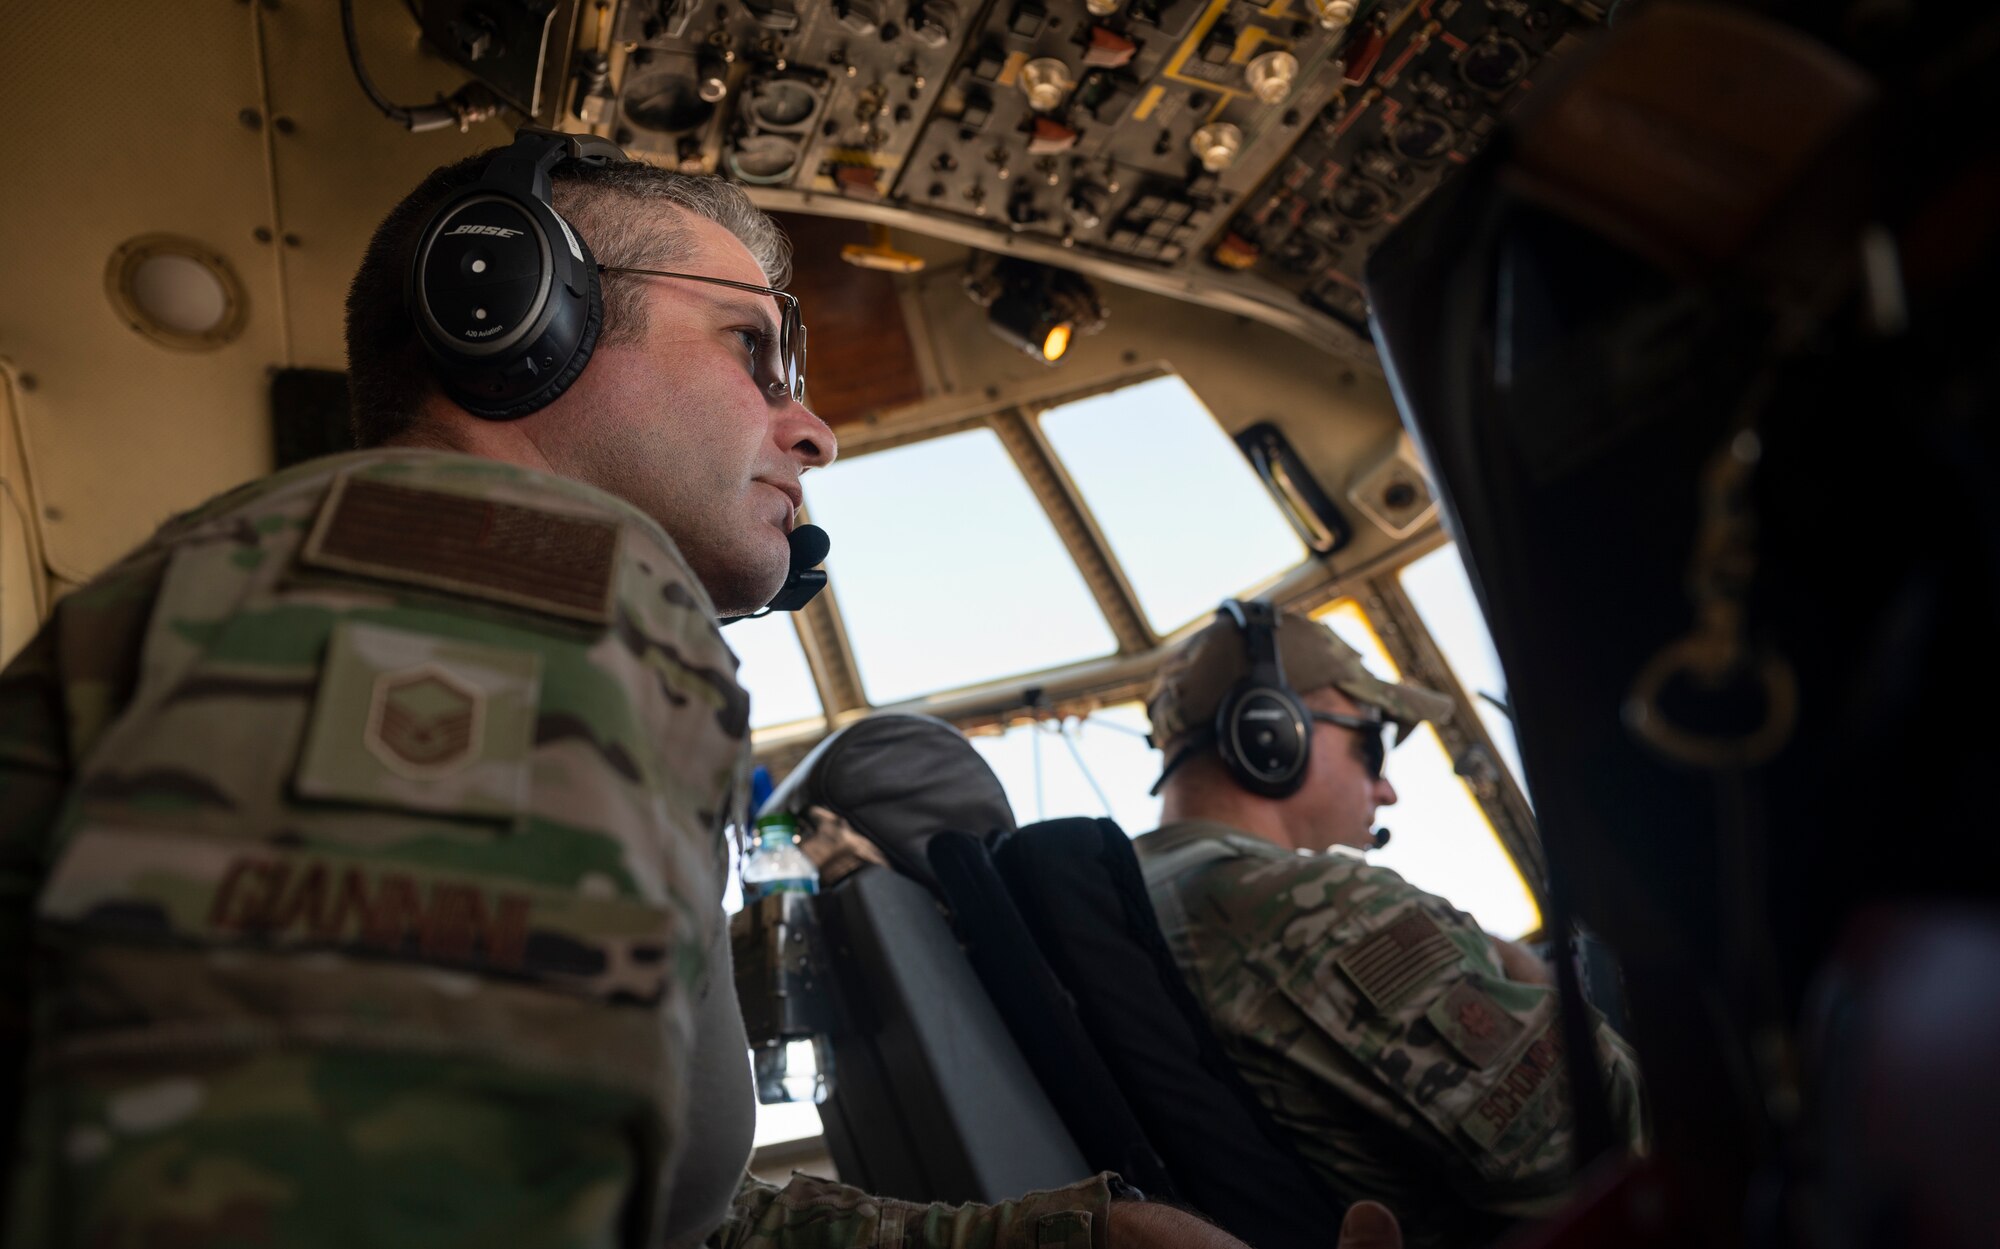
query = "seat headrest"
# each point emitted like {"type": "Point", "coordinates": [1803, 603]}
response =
{"type": "Point", "coordinates": [899, 780]}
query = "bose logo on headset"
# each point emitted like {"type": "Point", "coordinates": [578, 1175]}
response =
{"type": "Point", "coordinates": [498, 232]}
{"type": "Point", "coordinates": [1267, 713]}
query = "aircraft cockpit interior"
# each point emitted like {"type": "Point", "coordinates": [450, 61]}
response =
{"type": "Point", "coordinates": [1615, 371]}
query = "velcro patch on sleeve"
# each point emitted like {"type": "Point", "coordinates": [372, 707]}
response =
{"type": "Point", "coordinates": [1388, 966]}
{"type": "Point", "coordinates": [1528, 1103]}
{"type": "Point", "coordinates": [421, 723]}
{"type": "Point", "coordinates": [175, 886]}
{"type": "Point", "coordinates": [1064, 1229]}
{"type": "Point", "coordinates": [460, 544]}
{"type": "Point", "coordinates": [1472, 1023]}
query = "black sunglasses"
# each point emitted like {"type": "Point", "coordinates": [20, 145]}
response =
{"type": "Point", "coordinates": [790, 357]}
{"type": "Point", "coordinates": [1374, 738]}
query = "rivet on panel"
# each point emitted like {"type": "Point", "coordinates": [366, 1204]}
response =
{"type": "Point", "coordinates": [261, 234]}
{"type": "Point", "coordinates": [52, 513]}
{"type": "Point", "coordinates": [28, 382]}
{"type": "Point", "coordinates": [251, 118]}
{"type": "Point", "coordinates": [291, 240]}
{"type": "Point", "coordinates": [283, 125]}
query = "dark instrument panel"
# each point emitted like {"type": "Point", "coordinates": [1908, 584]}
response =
{"type": "Point", "coordinates": [1237, 152]}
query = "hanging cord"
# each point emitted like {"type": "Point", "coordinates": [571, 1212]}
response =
{"type": "Point", "coordinates": [469, 104]}
{"type": "Point", "coordinates": [1076, 753]}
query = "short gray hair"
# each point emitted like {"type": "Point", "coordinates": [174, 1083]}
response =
{"type": "Point", "coordinates": [605, 203]}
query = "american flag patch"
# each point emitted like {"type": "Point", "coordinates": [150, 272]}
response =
{"type": "Point", "coordinates": [1388, 965]}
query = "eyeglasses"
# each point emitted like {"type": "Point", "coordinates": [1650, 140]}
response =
{"type": "Point", "coordinates": [1373, 735]}
{"type": "Point", "coordinates": [790, 356]}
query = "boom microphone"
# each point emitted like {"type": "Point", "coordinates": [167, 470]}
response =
{"type": "Point", "coordinates": [809, 545]}
{"type": "Point", "coordinates": [1381, 836]}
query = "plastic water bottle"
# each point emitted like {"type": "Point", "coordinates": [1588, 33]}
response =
{"type": "Point", "coordinates": [791, 1067]}
{"type": "Point", "coordinates": [773, 861]}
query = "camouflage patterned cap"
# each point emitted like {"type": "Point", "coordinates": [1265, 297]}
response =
{"type": "Point", "coordinates": [1196, 677]}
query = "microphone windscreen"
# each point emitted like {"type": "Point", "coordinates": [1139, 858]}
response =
{"type": "Point", "coordinates": [809, 546]}
{"type": "Point", "coordinates": [1381, 838]}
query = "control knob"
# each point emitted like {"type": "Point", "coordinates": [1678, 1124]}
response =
{"type": "Point", "coordinates": [1045, 81]}
{"type": "Point", "coordinates": [1217, 145]}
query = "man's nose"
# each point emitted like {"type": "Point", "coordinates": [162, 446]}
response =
{"type": "Point", "coordinates": [1385, 793]}
{"type": "Point", "coordinates": [805, 437]}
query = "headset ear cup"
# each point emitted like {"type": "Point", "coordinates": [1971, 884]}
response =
{"type": "Point", "coordinates": [586, 346]}
{"type": "Point", "coordinates": [562, 379]}
{"type": "Point", "coordinates": [1230, 730]}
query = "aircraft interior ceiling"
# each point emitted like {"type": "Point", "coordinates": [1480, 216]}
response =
{"type": "Point", "coordinates": [1218, 169]}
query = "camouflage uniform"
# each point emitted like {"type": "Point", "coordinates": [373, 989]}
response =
{"type": "Point", "coordinates": [361, 840]}
{"type": "Point", "coordinates": [1372, 1019]}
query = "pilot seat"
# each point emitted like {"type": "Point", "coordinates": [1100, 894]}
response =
{"type": "Point", "coordinates": [1013, 1017]}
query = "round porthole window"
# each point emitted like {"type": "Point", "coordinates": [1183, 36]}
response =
{"type": "Point", "coordinates": [176, 292]}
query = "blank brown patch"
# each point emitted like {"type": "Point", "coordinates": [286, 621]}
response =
{"type": "Point", "coordinates": [480, 548]}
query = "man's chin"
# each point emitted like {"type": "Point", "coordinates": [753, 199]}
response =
{"type": "Point", "coordinates": [746, 585]}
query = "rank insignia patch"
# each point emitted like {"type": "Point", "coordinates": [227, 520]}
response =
{"type": "Point", "coordinates": [1388, 965]}
{"type": "Point", "coordinates": [422, 723]}
{"type": "Point", "coordinates": [1472, 1023]}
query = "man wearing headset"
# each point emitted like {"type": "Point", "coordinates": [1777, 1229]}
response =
{"type": "Point", "coordinates": [361, 833]}
{"type": "Point", "coordinates": [1404, 1053]}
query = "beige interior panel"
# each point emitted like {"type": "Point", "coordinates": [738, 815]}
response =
{"type": "Point", "coordinates": [23, 591]}
{"type": "Point", "coordinates": [340, 164]}
{"type": "Point", "coordinates": [131, 111]}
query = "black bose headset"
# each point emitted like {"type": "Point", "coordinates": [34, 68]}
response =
{"type": "Point", "coordinates": [504, 294]}
{"type": "Point", "coordinates": [505, 299]}
{"type": "Point", "coordinates": [1263, 730]}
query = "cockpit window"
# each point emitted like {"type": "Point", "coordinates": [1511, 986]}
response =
{"type": "Point", "coordinates": [1442, 594]}
{"type": "Point", "coordinates": [948, 571]}
{"type": "Point", "coordinates": [774, 671]}
{"type": "Point", "coordinates": [1095, 765]}
{"type": "Point", "coordinates": [1443, 841]}
{"type": "Point", "coordinates": [1185, 516]}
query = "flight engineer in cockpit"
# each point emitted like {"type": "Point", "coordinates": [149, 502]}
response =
{"type": "Point", "coordinates": [1405, 1054]}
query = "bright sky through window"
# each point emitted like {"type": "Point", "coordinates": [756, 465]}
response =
{"type": "Point", "coordinates": [1186, 517]}
{"type": "Point", "coordinates": [1098, 766]}
{"type": "Point", "coordinates": [1443, 596]}
{"type": "Point", "coordinates": [773, 670]}
{"type": "Point", "coordinates": [1443, 842]}
{"type": "Point", "coordinates": [948, 571]}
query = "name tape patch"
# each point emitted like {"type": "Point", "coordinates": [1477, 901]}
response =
{"type": "Point", "coordinates": [177, 886]}
{"type": "Point", "coordinates": [1526, 1100]}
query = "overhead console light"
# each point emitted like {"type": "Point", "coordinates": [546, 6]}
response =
{"type": "Point", "coordinates": [176, 292]}
{"type": "Point", "coordinates": [1034, 308]}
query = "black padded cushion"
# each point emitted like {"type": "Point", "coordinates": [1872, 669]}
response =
{"type": "Point", "coordinates": [1041, 1016]}
{"type": "Point", "coordinates": [1079, 889]}
{"type": "Point", "coordinates": [900, 779]}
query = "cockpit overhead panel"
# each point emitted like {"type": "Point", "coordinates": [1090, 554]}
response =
{"type": "Point", "coordinates": [1253, 152]}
